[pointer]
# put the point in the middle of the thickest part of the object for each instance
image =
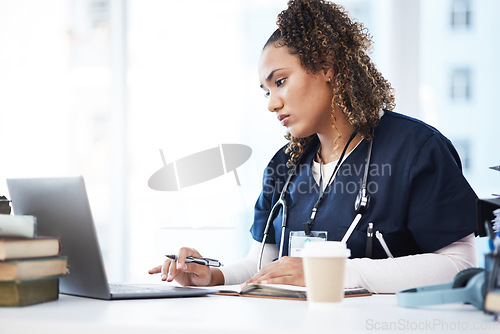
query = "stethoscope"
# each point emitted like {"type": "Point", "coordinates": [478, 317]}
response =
{"type": "Point", "coordinates": [360, 205]}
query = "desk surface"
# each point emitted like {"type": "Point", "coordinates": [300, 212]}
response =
{"type": "Point", "coordinates": [228, 314]}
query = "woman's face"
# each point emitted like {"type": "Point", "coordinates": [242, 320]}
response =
{"type": "Point", "coordinates": [301, 100]}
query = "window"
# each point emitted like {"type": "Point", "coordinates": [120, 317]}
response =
{"type": "Point", "coordinates": [461, 84]}
{"type": "Point", "coordinates": [461, 14]}
{"type": "Point", "coordinates": [99, 12]}
{"type": "Point", "coordinates": [463, 147]}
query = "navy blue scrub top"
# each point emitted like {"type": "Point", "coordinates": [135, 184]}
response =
{"type": "Point", "coordinates": [420, 200]}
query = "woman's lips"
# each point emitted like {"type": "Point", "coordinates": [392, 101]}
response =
{"type": "Point", "coordinates": [283, 119]}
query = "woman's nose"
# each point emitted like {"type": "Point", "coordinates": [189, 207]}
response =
{"type": "Point", "coordinates": [275, 103]}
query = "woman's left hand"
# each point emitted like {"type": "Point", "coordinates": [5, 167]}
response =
{"type": "Point", "coordinates": [287, 270]}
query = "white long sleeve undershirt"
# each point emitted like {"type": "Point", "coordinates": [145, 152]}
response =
{"type": "Point", "coordinates": [379, 276]}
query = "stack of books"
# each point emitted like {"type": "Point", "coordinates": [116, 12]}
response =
{"type": "Point", "coordinates": [4, 205]}
{"type": "Point", "coordinates": [492, 298]}
{"type": "Point", "coordinates": [30, 265]}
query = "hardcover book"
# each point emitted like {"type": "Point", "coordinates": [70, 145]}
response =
{"type": "Point", "coordinates": [5, 205]}
{"type": "Point", "coordinates": [22, 293]}
{"type": "Point", "coordinates": [19, 248]}
{"type": "Point", "coordinates": [28, 269]}
{"type": "Point", "coordinates": [17, 226]}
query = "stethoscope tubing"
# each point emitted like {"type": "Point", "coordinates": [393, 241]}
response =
{"type": "Point", "coordinates": [360, 207]}
{"type": "Point", "coordinates": [280, 202]}
{"type": "Point", "coordinates": [276, 206]}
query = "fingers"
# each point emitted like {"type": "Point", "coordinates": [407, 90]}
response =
{"type": "Point", "coordinates": [268, 277]}
{"type": "Point", "coordinates": [266, 271]}
{"type": "Point", "coordinates": [273, 279]}
{"type": "Point", "coordinates": [181, 258]}
{"type": "Point", "coordinates": [193, 274]}
{"type": "Point", "coordinates": [169, 270]}
{"type": "Point", "coordinates": [155, 270]}
{"type": "Point", "coordinates": [172, 268]}
{"type": "Point", "coordinates": [287, 270]}
{"type": "Point", "coordinates": [183, 272]}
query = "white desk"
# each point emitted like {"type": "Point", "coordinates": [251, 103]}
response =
{"type": "Point", "coordinates": [226, 314]}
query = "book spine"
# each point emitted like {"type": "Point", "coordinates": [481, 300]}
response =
{"type": "Point", "coordinates": [17, 226]}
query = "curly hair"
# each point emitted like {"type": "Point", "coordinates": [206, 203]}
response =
{"type": "Point", "coordinates": [320, 32]}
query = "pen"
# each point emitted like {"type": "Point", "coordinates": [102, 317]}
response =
{"type": "Point", "coordinates": [380, 238]}
{"type": "Point", "coordinates": [369, 240]}
{"type": "Point", "coordinates": [491, 235]}
{"type": "Point", "coordinates": [203, 261]}
{"type": "Point", "coordinates": [351, 228]}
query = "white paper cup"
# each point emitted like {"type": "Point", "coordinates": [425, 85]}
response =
{"type": "Point", "coordinates": [324, 267]}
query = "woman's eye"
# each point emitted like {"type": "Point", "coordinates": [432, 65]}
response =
{"type": "Point", "coordinates": [280, 82]}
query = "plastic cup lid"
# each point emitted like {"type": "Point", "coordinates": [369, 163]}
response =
{"type": "Point", "coordinates": [326, 249]}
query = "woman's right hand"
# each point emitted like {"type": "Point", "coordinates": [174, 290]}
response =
{"type": "Point", "coordinates": [182, 272]}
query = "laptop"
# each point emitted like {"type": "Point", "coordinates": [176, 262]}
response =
{"type": "Point", "coordinates": [62, 209]}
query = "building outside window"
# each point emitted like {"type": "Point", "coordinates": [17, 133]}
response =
{"type": "Point", "coordinates": [461, 14]}
{"type": "Point", "coordinates": [461, 84]}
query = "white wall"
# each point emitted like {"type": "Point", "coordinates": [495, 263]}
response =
{"type": "Point", "coordinates": [191, 84]}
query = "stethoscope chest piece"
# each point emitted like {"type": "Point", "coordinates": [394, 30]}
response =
{"type": "Point", "coordinates": [362, 201]}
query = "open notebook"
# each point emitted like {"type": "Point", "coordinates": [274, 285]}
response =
{"type": "Point", "coordinates": [281, 291]}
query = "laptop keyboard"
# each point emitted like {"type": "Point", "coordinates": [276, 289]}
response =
{"type": "Point", "coordinates": [137, 288]}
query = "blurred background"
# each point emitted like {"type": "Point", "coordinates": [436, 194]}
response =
{"type": "Point", "coordinates": [98, 87]}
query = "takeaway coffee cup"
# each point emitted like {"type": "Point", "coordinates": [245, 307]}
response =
{"type": "Point", "coordinates": [324, 267]}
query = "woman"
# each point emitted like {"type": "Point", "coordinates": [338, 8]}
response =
{"type": "Point", "coordinates": [346, 147]}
